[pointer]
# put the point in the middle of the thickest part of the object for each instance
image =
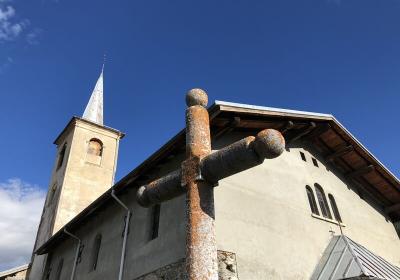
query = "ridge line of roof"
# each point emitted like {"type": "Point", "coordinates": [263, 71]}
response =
{"type": "Point", "coordinates": [264, 108]}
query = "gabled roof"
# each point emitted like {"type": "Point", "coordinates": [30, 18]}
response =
{"type": "Point", "coordinates": [338, 146]}
{"type": "Point", "coordinates": [14, 270]}
{"type": "Point", "coordinates": [346, 259]}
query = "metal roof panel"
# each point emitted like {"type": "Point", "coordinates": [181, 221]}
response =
{"type": "Point", "coordinates": [346, 259]}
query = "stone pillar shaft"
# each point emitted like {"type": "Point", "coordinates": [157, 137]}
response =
{"type": "Point", "coordinates": [201, 247]}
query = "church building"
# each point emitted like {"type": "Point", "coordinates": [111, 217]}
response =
{"type": "Point", "coordinates": [325, 208]}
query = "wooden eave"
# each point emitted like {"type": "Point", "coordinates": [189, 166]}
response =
{"type": "Point", "coordinates": [329, 136]}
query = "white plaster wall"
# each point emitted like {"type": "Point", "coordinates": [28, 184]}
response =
{"type": "Point", "coordinates": [142, 254]}
{"type": "Point", "coordinates": [263, 215]}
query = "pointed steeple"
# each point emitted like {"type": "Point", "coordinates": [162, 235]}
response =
{"type": "Point", "coordinates": [94, 108]}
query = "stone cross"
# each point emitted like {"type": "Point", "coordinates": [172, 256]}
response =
{"type": "Point", "coordinates": [198, 175]}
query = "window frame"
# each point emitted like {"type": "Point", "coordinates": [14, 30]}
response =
{"type": "Point", "coordinates": [311, 200]}
{"type": "Point", "coordinates": [90, 149]}
{"type": "Point", "coordinates": [322, 201]}
{"type": "Point", "coordinates": [334, 207]}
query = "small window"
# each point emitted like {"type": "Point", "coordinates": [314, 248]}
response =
{"type": "Point", "coordinates": [323, 203]}
{"type": "Point", "coordinates": [303, 156]}
{"type": "Point", "coordinates": [155, 221]}
{"type": "Point", "coordinates": [95, 252]}
{"type": "Point", "coordinates": [61, 156]}
{"type": "Point", "coordinates": [95, 147]}
{"type": "Point", "coordinates": [311, 201]}
{"type": "Point", "coordinates": [315, 162]}
{"type": "Point", "coordinates": [59, 269]}
{"type": "Point", "coordinates": [334, 208]}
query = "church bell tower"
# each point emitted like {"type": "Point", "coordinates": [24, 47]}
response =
{"type": "Point", "coordinates": [83, 170]}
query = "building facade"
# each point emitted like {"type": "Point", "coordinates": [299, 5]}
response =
{"type": "Point", "coordinates": [325, 209]}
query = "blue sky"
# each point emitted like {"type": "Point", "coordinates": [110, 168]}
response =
{"type": "Point", "coordinates": [339, 57]}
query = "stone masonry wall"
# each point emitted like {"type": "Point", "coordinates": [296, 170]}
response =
{"type": "Point", "coordinates": [227, 269]}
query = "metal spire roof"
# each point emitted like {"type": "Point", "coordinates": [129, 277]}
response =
{"type": "Point", "coordinates": [94, 108]}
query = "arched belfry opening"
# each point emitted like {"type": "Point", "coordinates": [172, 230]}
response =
{"type": "Point", "coordinates": [95, 147]}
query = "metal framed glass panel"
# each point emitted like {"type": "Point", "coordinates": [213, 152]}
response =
{"type": "Point", "coordinates": [334, 208]}
{"type": "Point", "coordinates": [311, 201]}
{"type": "Point", "coordinates": [323, 203]}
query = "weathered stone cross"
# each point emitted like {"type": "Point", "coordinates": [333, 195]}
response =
{"type": "Point", "coordinates": [198, 175]}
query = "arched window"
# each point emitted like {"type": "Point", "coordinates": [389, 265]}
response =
{"type": "Point", "coordinates": [311, 200]}
{"type": "Point", "coordinates": [59, 269]}
{"type": "Point", "coordinates": [95, 147]}
{"type": "Point", "coordinates": [95, 252]}
{"type": "Point", "coordinates": [334, 208]}
{"type": "Point", "coordinates": [323, 203]}
{"type": "Point", "coordinates": [61, 156]}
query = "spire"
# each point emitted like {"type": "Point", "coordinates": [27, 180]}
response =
{"type": "Point", "coordinates": [94, 108]}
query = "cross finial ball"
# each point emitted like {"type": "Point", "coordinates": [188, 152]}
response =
{"type": "Point", "coordinates": [196, 96]}
{"type": "Point", "coordinates": [269, 143]}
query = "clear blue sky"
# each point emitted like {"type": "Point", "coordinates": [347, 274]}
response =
{"type": "Point", "coordinates": [339, 57]}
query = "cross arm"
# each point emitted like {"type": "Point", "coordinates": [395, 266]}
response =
{"type": "Point", "coordinates": [164, 188]}
{"type": "Point", "coordinates": [242, 155]}
{"type": "Point", "coordinates": [239, 156]}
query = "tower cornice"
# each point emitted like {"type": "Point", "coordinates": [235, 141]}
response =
{"type": "Point", "coordinates": [74, 120]}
